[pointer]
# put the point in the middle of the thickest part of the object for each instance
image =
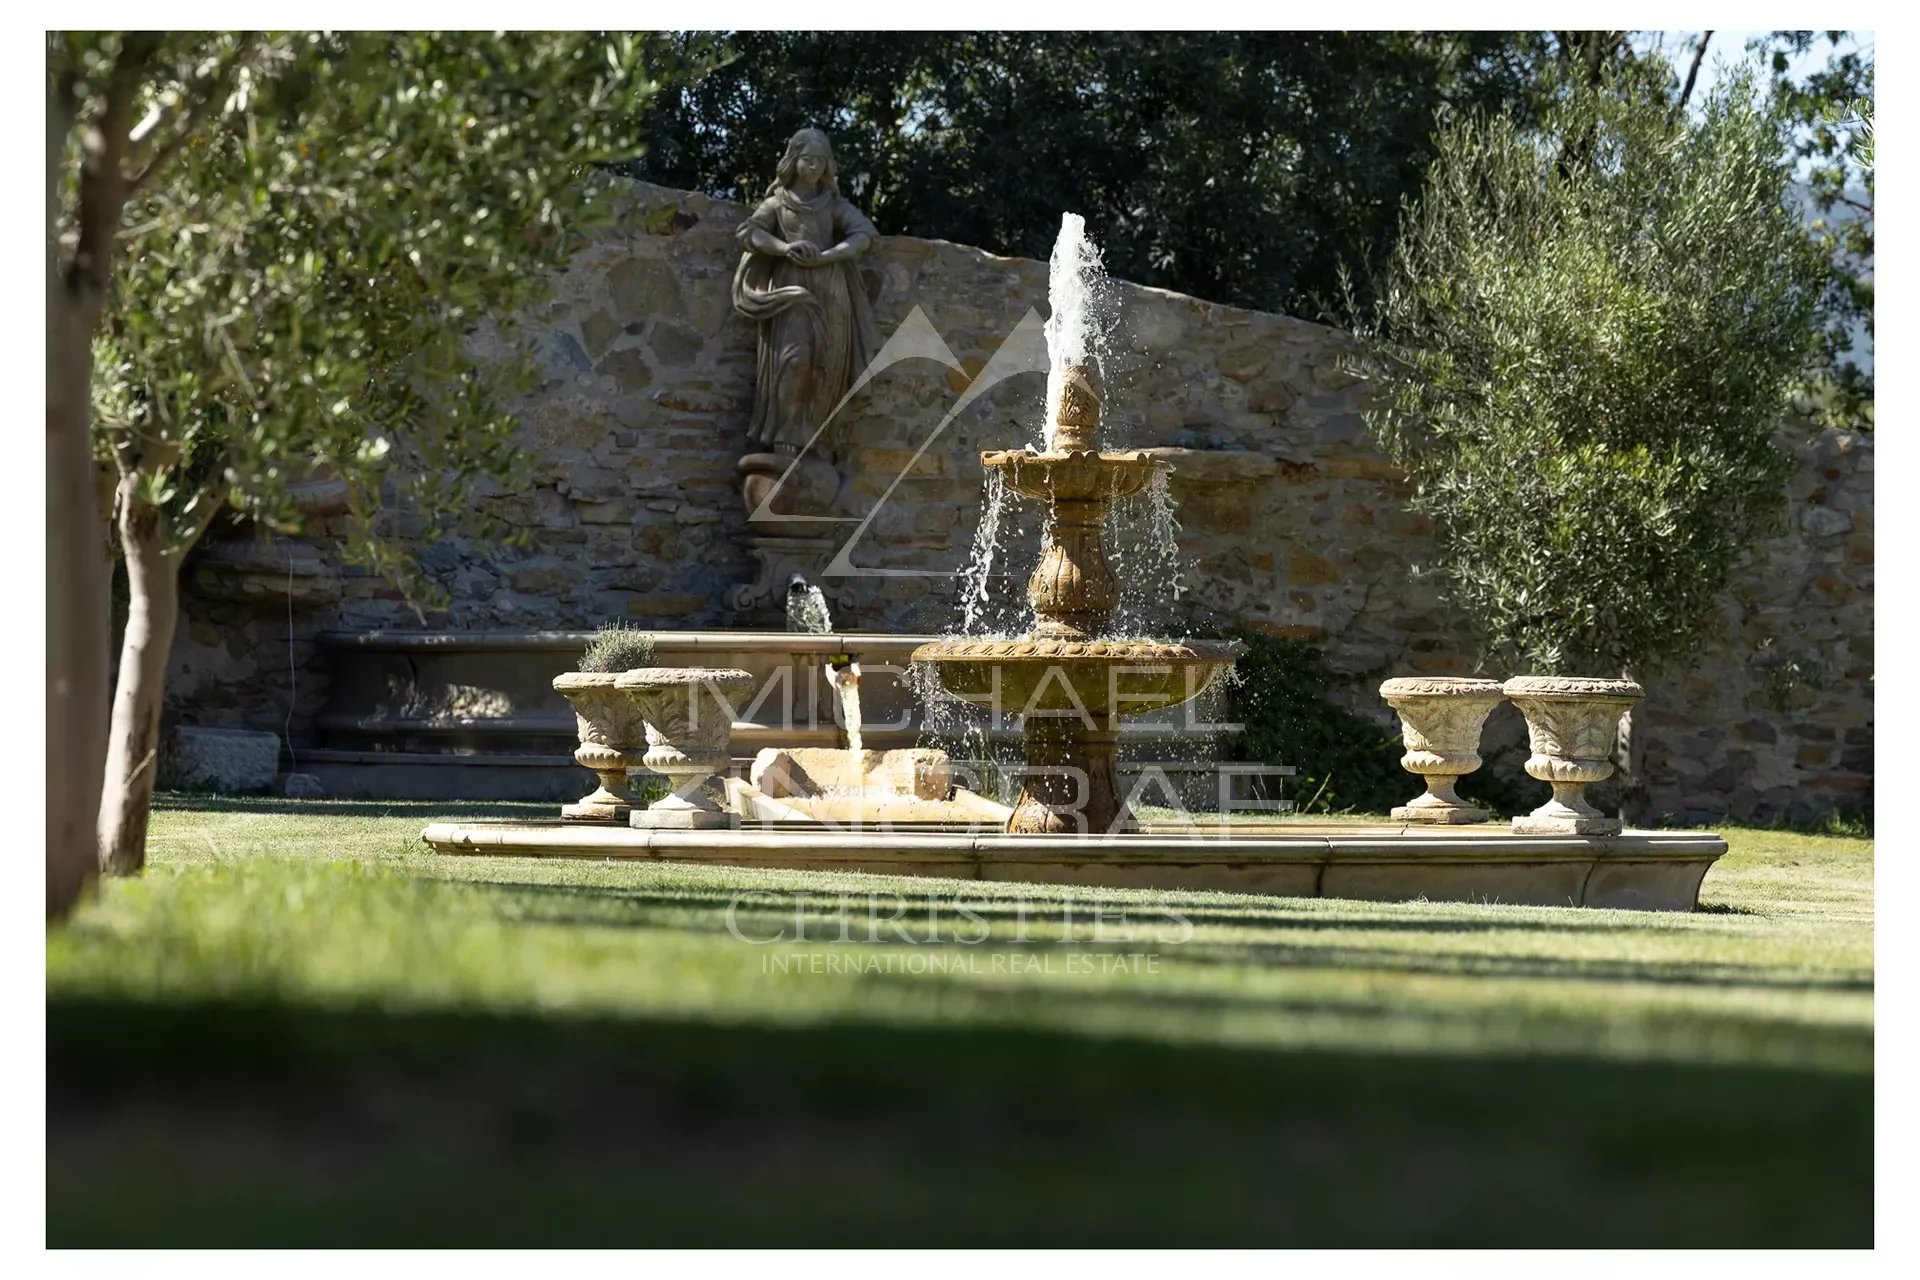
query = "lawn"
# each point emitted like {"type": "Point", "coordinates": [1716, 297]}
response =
{"type": "Point", "coordinates": [300, 1026]}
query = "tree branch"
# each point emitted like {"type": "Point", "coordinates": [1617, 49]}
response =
{"type": "Point", "coordinates": [200, 96]}
{"type": "Point", "coordinates": [184, 538]}
{"type": "Point", "coordinates": [1693, 72]}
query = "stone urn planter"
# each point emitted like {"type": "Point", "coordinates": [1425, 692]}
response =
{"type": "Point", "coordinates": [1440, 722]}
{"type": "Point", "coordinates": [612, 736]}
{"type": "Point", "coordinates": [688, 713]}
{"type": "Point", "coordinates": [1571, 724]}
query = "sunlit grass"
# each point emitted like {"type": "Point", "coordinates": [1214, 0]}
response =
{"type": "Point", "coordinates": [287, 947]}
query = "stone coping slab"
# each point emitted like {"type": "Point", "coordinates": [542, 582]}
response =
{"type": "Point", "coordinates": [1638, 870]}
{"type": "Point", "coordinates": [785, 642]}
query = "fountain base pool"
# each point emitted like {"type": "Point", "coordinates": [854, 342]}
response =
{"type": "Point", "coordinates": [1635, 870]}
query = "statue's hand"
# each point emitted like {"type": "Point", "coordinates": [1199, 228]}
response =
{"type": "Point", "coordinates": [804, 252]}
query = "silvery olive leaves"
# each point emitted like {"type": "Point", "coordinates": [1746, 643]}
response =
{"type": "Point", "coordinates": [1588, 335]}
{"type": "Point", "coordinates": [298, 290]}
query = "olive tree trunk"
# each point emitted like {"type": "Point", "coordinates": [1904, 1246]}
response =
{"type": "Point", "coordinates": [133, 741]}
{"type": "Point", "coordinates": [77, 610]}
{"type": "Point", "coordinates": [77, 572]}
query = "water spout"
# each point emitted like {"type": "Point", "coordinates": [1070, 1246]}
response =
{"type": "Point", "coordinates": [807, 608]}
{"type": "Point", "coordinates": [1082, 301]}
{"type": "Point", "coordinates": [844, 676]}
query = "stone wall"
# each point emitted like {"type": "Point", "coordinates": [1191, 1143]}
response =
{"type": "Point", "coordinates": [1294, 523]}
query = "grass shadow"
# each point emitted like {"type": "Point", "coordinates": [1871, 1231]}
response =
{"type": "Point", "coordinates": [286, 1123]}
{"type": "Point", "coordinates": [426, 810]}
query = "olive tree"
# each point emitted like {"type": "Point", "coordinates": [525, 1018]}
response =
{"type": "Point", "coordinates": [297, 291]}
{"type": "Point", "coordinates": [108, 135]}
{"type": "Point", "coordinates": [1587, 336]}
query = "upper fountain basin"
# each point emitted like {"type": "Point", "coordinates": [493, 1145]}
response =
{"type": "Point", "coordinates": [1099, 677]}
{"type": "Point", "coordinates": [1073, 475]}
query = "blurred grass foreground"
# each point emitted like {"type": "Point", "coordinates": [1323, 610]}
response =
{"type": "Point", "coordinates": [302, 1028]}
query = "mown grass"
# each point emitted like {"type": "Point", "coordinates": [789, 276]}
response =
{"type": "Point", "coordinates": [302, 1027]}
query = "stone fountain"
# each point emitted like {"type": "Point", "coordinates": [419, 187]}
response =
{"type": "Point", "coordinates": [1068, 680]}
{"type": "Point", "coordinates": [1071, 679]}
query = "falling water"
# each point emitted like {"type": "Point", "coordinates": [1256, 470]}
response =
{"type": "Point", "coordinates": [1142, 539]}
{"type": "Point", "coordinates": [807, 608]}
{"type": "Point", "coordinates": [981, 744]}
{"type": "Point", "coordinates": [1082, 300]}
{"type": "Point", "coordinates": [850, 711]}
{"type": "Point", "coordinates": [986, 544]}
{"type": "Point", "coordinates": [993, 600]}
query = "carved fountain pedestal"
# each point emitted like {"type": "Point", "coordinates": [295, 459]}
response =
{"type": "Point", "coordinates": [1068, 682]}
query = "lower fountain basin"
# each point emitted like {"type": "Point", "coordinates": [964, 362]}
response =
{"type": "Point", "coordinates": [1636, 870]}
{"type": "Point", "coordinates": [1100, 677]}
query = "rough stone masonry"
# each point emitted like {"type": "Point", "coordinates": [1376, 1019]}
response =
{"type": "Point", "coordinates": [1295, 524]}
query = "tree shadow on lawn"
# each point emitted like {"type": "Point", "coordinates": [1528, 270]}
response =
{"type": "Point", "coordinates": [918, 916]}
{"type": "Point", "coordinates": [428, 810]}
{"type": "Point", "coordinates": [1002, 899]}
{"type": "Point", "coordinates": [285, 1123]}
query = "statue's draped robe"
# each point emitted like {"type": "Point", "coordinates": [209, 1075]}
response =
{"type": "Point", "coordinates": [816, 326]}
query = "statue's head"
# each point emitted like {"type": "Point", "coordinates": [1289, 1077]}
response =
{"type": "Point", "coordinates": [809, 159]}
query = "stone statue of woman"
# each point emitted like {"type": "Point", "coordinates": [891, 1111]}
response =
{"type": "Point", "coordinates": [798, 282]}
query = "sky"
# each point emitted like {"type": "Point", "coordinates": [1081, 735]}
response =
{"type": "Point", "coordinates": [1728, 47]}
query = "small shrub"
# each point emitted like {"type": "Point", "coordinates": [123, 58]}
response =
{"type": "Point", "coordinates": [618, 647]}
{"type": "Point", "coordinates": [1346, 763]}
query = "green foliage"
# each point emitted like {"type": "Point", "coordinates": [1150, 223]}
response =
{"type": "Point", "coordinates": [1238, 166]}
{"type": "Point", "coordinates": [1585, 342]}
{"type": "Point", "coordinates": [618, 647]}
{"type": "Point", "coordinates": [1831, 111]}
{"type": "Point", "coordinates": [1281, 694]}
{"type": "Point", "coordinates": [307, 286]}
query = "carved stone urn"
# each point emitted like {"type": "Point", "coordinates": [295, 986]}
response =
{"type": "Point", "coordinates": [689, 729]}
{"type": "Point", "coordinates": [1440, 722]}
{"type": "Point", "coordinates": [1571, 724]}
{"type": "Point", "coordinates": [612, 736]}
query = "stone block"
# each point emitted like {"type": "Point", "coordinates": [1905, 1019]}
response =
{"type": "Point", "coordinates": [643, 288]}
{"type": "Point", "coordinates": [628, 367]}
{"type": "Point", "coordinates": [224, 761]}
{"type": "Point", "coordinates": [920, 772]}
{"type": "Point", "coordinates": [1305, 569]}
{"type": "Point", "coordinates": [1565, 825]}
{"type": "Point", "coordinates": [597, 331]}
{"type": "Point", "coordinates": [675, 345]}
{"type": "Point", "coordinates": [695, 397]}
{"type": "Point", "coordinates": [1825, 522]}
{"type": "Point", "coordinates": [562, 353]}
{"type": "Point", "coordinates": [1244, 363]}
{"type": "Point", "coordinates": [661, 605]}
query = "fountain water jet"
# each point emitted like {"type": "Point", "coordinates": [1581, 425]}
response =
{"type": "Point", "coordinates": [1070, 679]}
